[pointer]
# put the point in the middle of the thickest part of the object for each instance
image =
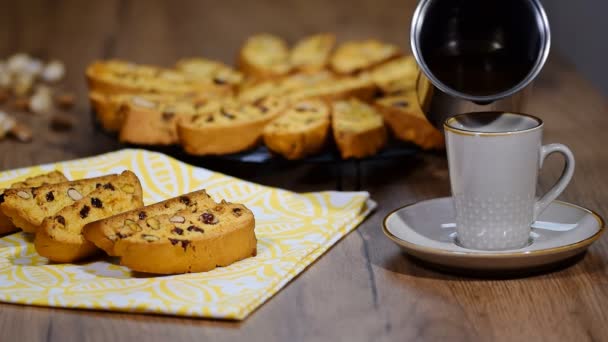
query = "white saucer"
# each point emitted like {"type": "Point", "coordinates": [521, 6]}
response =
{"type": "Point", "coordinates": [426, 230]}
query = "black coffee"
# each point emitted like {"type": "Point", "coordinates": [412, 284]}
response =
{"type": "Point", "coordinates": [480, 47]}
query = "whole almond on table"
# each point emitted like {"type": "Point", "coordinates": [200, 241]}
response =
{"type": "Point", "coordinates": [65, 101]}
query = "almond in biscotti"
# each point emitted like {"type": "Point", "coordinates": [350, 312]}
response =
{"type": "Point", "coordinates": [312, 53]}
{"type": "Point", "coordinates": [28, 213]}
{"type": "Point", "coordinates": [264, 56]}
{"type": "Point", "coordinates": [355, 56]}
{"type": "Point", "coordinates": [64, 242]}
{"type": "Point", "coordinates": [148, 218]}
{"type": "Point", "coordinates": [358, 129]}
{"type": "Point", "coordinates": [215, 234]}
{"type": "Point", "coordinates": [301, 131]}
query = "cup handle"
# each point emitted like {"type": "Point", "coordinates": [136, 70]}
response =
{"type": "Point", "coordinates": [563, 180]}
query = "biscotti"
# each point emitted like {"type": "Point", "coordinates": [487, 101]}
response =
{"type": "Point", "coordinates": [219, 73]}
{"type": "Point", "coordinates": [355, 56]}
{"type": "Point", "coordinates": [195, 239]}
{"type": "Point", "coordinates": [407, 122]}
{"type": "Point", "coordinates": [105, 233]}
{"type": "Point", "coordinates": [28, 207]}
{"type": "Point", "coordinates": [312, 53]}
{"type": "Point", "coordinates": [60, 238]}
{"type": "Point", "coordinates": [149, 122]}
{"type": "Point", "coordinates": [110, 109]}
{"type": "Point", "coordinates": [301, 131]}
{"type": "Point", "coordinates": [53, 177]}
{"type": "Point", "coordinates": [233, 128]}
{"type": "Point", "coordinates": [264, 56]}
{"type": "Point", "coordinates": [396, 75]}
{"type": "Point", "coordinates": [111, 77]}
{"type": "Point", "coordinates": [358, 129]}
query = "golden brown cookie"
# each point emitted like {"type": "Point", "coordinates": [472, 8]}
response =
{"type": "Point", "coordinates": [53, 177]}
{"type": "Point", "coordinates": [358, 129]}
{"type": "Point", "coordinates": [301, 131]}
{"type": "Point", "coordinates": [60, 238]}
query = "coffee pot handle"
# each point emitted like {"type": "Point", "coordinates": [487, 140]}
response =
{"type": "Point", "coordinates": [562, 182]}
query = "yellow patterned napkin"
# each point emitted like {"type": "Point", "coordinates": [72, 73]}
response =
{"type": "Point", "coordinates": [293, 230]}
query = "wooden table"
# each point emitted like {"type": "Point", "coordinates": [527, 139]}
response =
{"type": "Point", "coordinates": [363, 289]}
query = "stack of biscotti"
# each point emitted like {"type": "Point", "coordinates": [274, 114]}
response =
{"type": "Point", "coordinates": [56, 213]}
{"type": "Point", "coordinates": [210, 108]}
{"type": "Point", "coordinates": [6, 226]}
{"type": "Point", "coordinates": [189, 233]}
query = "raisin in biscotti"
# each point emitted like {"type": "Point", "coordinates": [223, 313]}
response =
{"type": "Point", "coordinates": [358, 129]}
{"type": "Point", "coordinates": [301, 131]}
{"type": "Point", "coordinates": [149, 122]}
{"type": "Point", "coordinates": [264, 56]}
{"type": "Point", "coordinates": [6, 226]}
{"type": "Point", "coordinates": [191, 240]}
{"type": "Point", "coordinates": [105, 233]}
{"type": "Point", "coordinates": [312, 53]}
{"type": "Point", "coordinates": [59, 237]}
{"type": "Point", "coordinates": [360, 55]}
{"type": "Point", "coordinates": [28, 207]}
{"type": "Point", "coordinates": [233, 128]}
{"type": "Point", "coordinates": [407, 122]}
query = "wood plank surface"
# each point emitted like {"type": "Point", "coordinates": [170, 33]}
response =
{"type": "Point", "coordinates": [363, 289]}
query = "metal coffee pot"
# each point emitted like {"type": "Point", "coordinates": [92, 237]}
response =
{"type": "Point", "coordinates": [477, 55]}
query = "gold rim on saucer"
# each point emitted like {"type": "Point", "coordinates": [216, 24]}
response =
{"type": "Point", "coordinates": [500, 255]}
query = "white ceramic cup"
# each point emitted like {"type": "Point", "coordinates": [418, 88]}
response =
{"type": "Point", "coordinates": [494, 159]}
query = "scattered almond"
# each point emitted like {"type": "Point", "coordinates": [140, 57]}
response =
{"type": "Point", "coordinates": [65, 101]}
{"type": "Point", "coordinates": [54, 71]}
{"type": "Point", "coordinates": [22, 103]}
{"type": "Point", "coordinates": [42, 101]}
{"type": "Point", "coordinates": [22, 132]}
{"type": "Point", "coordinates": [7, 123]}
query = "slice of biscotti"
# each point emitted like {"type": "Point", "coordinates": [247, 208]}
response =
{"type": "Point", "coordinates": [396, 75]}
{"type": "Point", "coordinates": [106, 232]}
{"type": "Point", "coordinates": [407, 122]}
{"type": "Point", "coordinates": [233, 128]}
{"type": "Point", "coordinates": [301, 131]}
{"type": "Point", "coordinates": [106, 77]}
{"type": "Point", "coordinates": [312, 53]}
{"type": "Point", "coordinates": [360, 86]}
{"type": "Point", "coordinates": [53, 177]}
{"type": "Point", "coordinates": [264, 56]}
{"type": "Point", "coordinates": [191, 240]}
{"type": "Point", "coordinates": [360, 55]}
{"type": "Point", "coordinates": [219, 73]}
{"type": "Point", "coordinates": [150, 122]}
{"type": "Point", "coordinates": [59, 237]}
{"type": "Point", "coordinates": [110, 110]}
{"type": "Point", "coordinates": [28, 207]}
{"type": "Point", "coordinates": [358, 129]}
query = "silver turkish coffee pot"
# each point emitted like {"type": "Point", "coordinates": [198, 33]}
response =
{"type": "Point", "coordinates": [477, 55]}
